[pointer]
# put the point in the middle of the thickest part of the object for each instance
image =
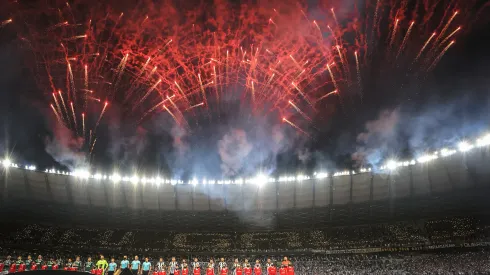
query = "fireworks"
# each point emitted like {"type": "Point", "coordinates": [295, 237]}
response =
{"type": "Point", "coordinates": [149, 63]}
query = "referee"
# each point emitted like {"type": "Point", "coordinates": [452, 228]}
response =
{"type": "Point", "coordinates": [136, 266]}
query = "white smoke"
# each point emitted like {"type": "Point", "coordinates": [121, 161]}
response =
{"type": "Point", "coordinates": [234, 149]}
{"type": "Point", "coordinates": [378, 135]}
{"type": "Point", "coordinates": [65, 148]}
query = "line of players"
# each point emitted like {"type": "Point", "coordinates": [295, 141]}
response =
{"type": "Point", "coordinates": [161, 267]}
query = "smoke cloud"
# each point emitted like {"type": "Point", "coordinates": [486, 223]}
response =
{"type": "Point", "coordinates": [65, 148]}
{"type": "Point", "coordinates": [379, 134]}
{"type": "Point", "coordinates": [234, 149]}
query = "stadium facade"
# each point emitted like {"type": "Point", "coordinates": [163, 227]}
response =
{"type": "Point", "coordinates": [453, 184]}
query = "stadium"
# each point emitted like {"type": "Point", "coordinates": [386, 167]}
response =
{"type": "Point", "coordinates": [240, 137]}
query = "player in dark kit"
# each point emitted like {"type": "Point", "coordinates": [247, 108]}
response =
{"type": "Point", "coordinates": [68, 264]}
{"type": "Point", "coordinates": [89, 265]}
{"type": "Point", "coordinates": [77, 264]}
{"type": "Point", "coordinates": [173, 265]}
{"type": "Point", "coordinates": [18, 262]}
{"type": "Point", "coordinates": [29, 263]}
{"type": "Point", "coordinates": [160, 267]}
{"type": "Point", "coordinates": [39, 262]}
{"type": "Point", "coordinates": [221, 265]}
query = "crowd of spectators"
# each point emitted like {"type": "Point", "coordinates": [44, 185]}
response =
{"type": "Point", "coordinates": [388, 235]}
{"type": "Point", "coordinates": [439, 246]}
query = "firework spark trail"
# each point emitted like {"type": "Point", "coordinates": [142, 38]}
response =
{"type": "Point", "coordinates": [318, 27]}
{"type": "Point", "coordinates": [148, 93]}
{"type": "Point", "coordinates": [171, 114]}
{"type": "Point", "coordinates": [327, 95]}
{"type": "Point", "coordinates": [303, 95]}
{"type": "Point", "coordinates": [344, 66]}
{"type": "Point", "coordinates": [5, 22]}
{"type": "Point", "coordinates": [182, 118]}
{"type": "Point", "coordinates": [83, 125]}
{"type": "Point", "coordinates": [74, 116]}
{"type": "Point", "coordinates": [253, 93]}
{"type": "Point", "coordinates": [405, 39]}
{"type": "Point", "coordinates": [194, 106]}
{"type": "Point", "coordinates": [299, 111]}
{"type": "Point", "coordinates": [393, 34]}
{"type": "Point", "coordinates": [375, 22]}
{"type": "Point", "coordinates": [295, 127]}
{"type": "Point", "coordinates": [120, 69]}
{"type": "Point", "coordinates": [449, 36]}
{"type": "Point", "coordinates": [202, 88]}
{"type": "Point", "coordinates": [425, 46]}
{"type": "Point", "coordinates": [72, 83]}
{"type": "Point", "coordinates": [86, 86]}
{"type": "Point", "coordinates": [100, 116]}
{"type": "Point", "coordinates": [64, 106]}
{"type": "Point", "coordinates": [438, 58]}
{"type": "Point", "coordinates": [332, 77]}
{"type": "Point", "coordinates": [58, 108]}
{"type": "Point", "coordinates": [444, 29]}
{"type": "Point", "coordinates": [76, 37]}
{"type": "Point", "coordinates": [56, 114]}
{"type": "Point", "coordinates": [358, 70]}
{"type": "Point", "coordinates": [93, 145]}
{"type": "Point", "coordinates": [182, 93]}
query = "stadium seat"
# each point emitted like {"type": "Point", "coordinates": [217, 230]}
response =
{"type": "Point", "coordinates": [72, 268]}
{"type": "Point", "coordinates": [12, 268]}
{"type": "Point", "coordinates": [156, 273]}
{"type": "Point", "coordinates": [92, 272]}
{"type": "Point", "coordinates": [22, 268]}
{"type": "Point", "coordinates": [98, 271]}
{"type": "Point", "coordinates": [33, 267]}
{"type": "Point", "coordinates": [44, 267]}
{"type": "Point", "coordinates": [55, 267]}
{"type": "Point", "coordinates": [66, 268]}
{"type": "Point", "coordinates": [162, 273]}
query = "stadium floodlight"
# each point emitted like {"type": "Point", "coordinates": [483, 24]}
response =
{"type": "Point", "coordinates": [260, 180]}
{"type": "Point", "coordinates": [426, 158]}
{"type": "Point", "coordinates": [83, 174]}
{"type": "Point", "coordinates": [464, 146]}
{"type": "Point", "coordinates": [115, 178]}
{"type": "Point", "coordinates": [194, 181]}
{"type": "Point", "coordinates": [447, 152]}
{"type": "Point", "coordinates": [97, 176]}
{"type": "Point", "coordinates": [239, 181]}
{"type": "Point", "coordinates": [6, 162]}
{"type": "Point", "coordinates": [483, 141]}
{"type": "Point", "coordinates": [321, 175]}
{"type": "Point", "coordinates": [391, 165]}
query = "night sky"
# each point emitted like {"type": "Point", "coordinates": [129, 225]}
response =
{"type": "Point", "coordinates": [451, 104]}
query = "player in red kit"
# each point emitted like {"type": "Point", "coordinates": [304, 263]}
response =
{"type": "Point", "coordinates": [290, 269]}
{"type": "Point", "coordinates": [224, 270]}
{"type": "Point", "coordinates": [185, 270]}
{"type": "Point", "coordinates": [238, 270]}
{"type": "Point", "coordinates": [210, 269]}
{"type": "Point", "coordinates": [257, 268]}
{"type": "Point", "coordinates": [247, 269]}
{"type": "Point", "coordinates": [271, 270]}
{"type": "Point", "coordinates": [283, 270]}
{"type": "Point", "coordinates": [197, 269]}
